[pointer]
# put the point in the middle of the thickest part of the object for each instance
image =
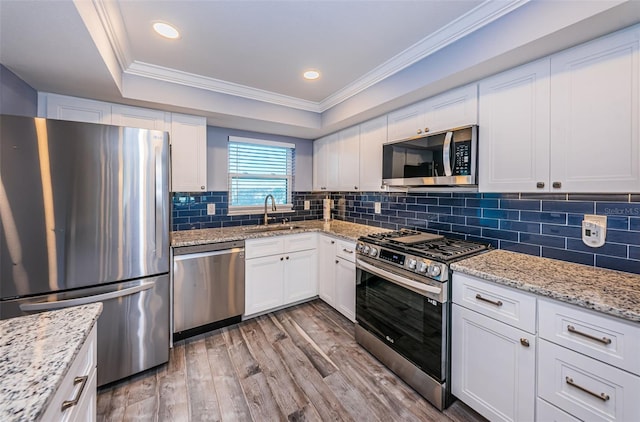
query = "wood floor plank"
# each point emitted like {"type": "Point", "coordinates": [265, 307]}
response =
{"type": "Point", "coordinates": [233, 406]}
{"type": "Point", "coordinates": [142, 410]}
{"type": "Point", "coordinates": [103, 400]}
{"type": "Point", "coordinates": [287, 393]}
{"type": "Point", "coordinates": [141, 387]}
{"type": "Point", "coordinates": [203, 405]}
{"type": "Point", "coordinates": [173, 402]}
{"type": "Point", "coordinates": [257, 393]}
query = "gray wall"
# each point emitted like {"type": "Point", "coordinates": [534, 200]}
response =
{"type": "Point", "coordinates": [16, 96]}
{"type": "Point", "coordinates": [217, 157]}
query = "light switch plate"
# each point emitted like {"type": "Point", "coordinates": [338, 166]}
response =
{"type": "Point", "coordinates": [594, 230]}
{"type": "Point", "coordinates": [376, 207]}
{"type": "Point", "coordinates": [211, 209]}
{"type": "Point", "coordinates": [307, 205]}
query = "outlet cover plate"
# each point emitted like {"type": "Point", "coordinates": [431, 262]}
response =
{"type": "Point", "coordinates": [307, 205]}
{"type": "Point", "coordinates": [376, 207]}
{"type": "Point", "coordinates": [211, 209]}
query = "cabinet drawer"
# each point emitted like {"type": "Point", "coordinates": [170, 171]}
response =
{"type": "Point", "coordinates": [549, 413]}
{"type": "Point", "coordinates": [300, 242]}
{"type": "Point", "coordinates": [606, 339]}
{"type": "Point", "coordinates": [504, 304]}
{"type": "Point", "coordinates": [584, 387]}
{"type": "Point", "coordinates": [346, 250]}
{"type": "Point", "coordinates": [83, 365]}
{"type": "Point", "coordinates": [255, 248]}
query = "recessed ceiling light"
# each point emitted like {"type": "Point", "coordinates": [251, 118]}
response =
{"type": "Point", "coordinates": [166, 30]}
{"type": "Point", "coordinates": [311, 74]}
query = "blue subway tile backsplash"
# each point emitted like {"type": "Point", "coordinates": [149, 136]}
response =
{"type": "Point", "coordinates": [546, 225]}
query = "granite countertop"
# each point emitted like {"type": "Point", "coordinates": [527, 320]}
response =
{"type": "Point", "coordinates": [611, 292]}
{"type": "Point", "coordinates": [36, 351]}
{"type": "Point", "coordinates": [341, 229]}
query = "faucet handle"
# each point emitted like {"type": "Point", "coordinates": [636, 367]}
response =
{"type": "Point", "coordinates": [284, 220]}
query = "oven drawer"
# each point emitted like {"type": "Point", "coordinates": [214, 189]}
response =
{"type": "Point", "coordinates": [346, 250]}
{"type": "Point", "coordinates": [502, 303]}
{"type": "Point", "coordinates": [606, 339]}
{"type": "Point", "coordinates": [584, 387]}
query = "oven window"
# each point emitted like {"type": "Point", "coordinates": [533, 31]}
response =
{"type": "Point", "coordinates": [406, 321]}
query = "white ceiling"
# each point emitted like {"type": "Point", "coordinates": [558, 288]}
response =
{"type": "Point", "coordinates": [239, 63]}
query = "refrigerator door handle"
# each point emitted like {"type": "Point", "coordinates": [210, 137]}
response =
{"type": "Point", "coordinates": [158, 202]}
{"type": "Point", "coordinates": [48, 306]}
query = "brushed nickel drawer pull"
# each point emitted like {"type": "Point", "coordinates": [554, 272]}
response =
{"type": "Point", "coordinates": [524, 342]}
{"type": "Point", "coordinates": [484, 299]}
{"type": "Point", "coordinates": [347, 250]}
{"type": "Point", "coordinates": [70, 403]}
{"type": "Point", "coordinates": [603, 340]}
{"type": "Point", "coordinates": [601, 396]}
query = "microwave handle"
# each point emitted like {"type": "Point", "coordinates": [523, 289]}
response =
{"type": "Point", "coordinates": [446, 154]}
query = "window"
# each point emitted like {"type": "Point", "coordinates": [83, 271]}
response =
{"type": "Point", "coordinates": [258, 168]}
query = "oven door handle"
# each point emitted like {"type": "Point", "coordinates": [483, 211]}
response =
{"type": "Point", "coordinates": [396, 279]}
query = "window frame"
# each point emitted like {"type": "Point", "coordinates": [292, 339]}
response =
{"type": "Point", "coordinates": [290, 177]}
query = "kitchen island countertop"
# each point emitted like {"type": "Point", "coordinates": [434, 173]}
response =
{"type": "Point", "coordinates": [36, 351]}
{"type": "Point", "coordinates": [341, 229]}
{"type": "Point", "coordinates": [611, 292]}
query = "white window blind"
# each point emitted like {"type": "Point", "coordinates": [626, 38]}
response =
{"type": "Point", "coordinates": [258, 168]}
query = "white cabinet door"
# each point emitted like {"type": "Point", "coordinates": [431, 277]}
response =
{"type": "Point", "coordinates": [346, 288]}
{"type": "Point", "coordinates": [455, 108]}
{"type": "Point", "coordinates": [264, 289]}
{"type": "Point", "coordinates": [62, 107]}
{"type": "Point", "coordinates": [144, 118]}
{"type": "Point", "coordinates": [348, 160]}
{"type": "Point", "coordinates": [188, 153]}
{"type": "Point", "coordinates": [326, 269]}
{"type": "Point", "coordinates": [406, 122]}
{"type": "Point", "coordinates": [300, 276]}
{"type": "Point", "coordinates": [514, 122]}
{"type": "Point", "coordinates": [595, 115]}
{"type": "Point", "coordinates": [492, 366]}
{"type": "Point", "coordinates": [321, 156]}
{"type": "Point", "coordinates": [372, 135]}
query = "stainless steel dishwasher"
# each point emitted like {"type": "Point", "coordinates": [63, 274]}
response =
{"type": "Point", "coordinates": [208, 287]}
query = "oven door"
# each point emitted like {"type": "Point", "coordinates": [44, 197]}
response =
{"type": "Point", "coordinates": [407, 315]}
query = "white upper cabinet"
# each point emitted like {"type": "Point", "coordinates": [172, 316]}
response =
{"type": "Point", "coordinates": [140, 117]}
{"type": "Point", "coordinates": [514, 130]}
{"type": "Point", "coordinates": [336, 161]}
{"type": "Point", "coordinates": [60, 107]}
{"type": "Point", "coordinates": [454, 108]}
{"type": "Point", "coordinates": [595, 115]}
{"type": "Point", "coordinates": [321, 161]}
{"type": "Point", "coordinates": [188, 153]}
{"type": "Point", "coordinates": [372, 135]}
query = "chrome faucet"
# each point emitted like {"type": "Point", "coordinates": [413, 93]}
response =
{"type": "Point", "coordinates": [273, 207]}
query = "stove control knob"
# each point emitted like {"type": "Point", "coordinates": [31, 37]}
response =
{"type": "Point", "coordinates": [360, 247]}
{"type": "Point", "coordinates": [434, 270]}
{"type": "Point", "coordinates": [366, 249]}
{"type": "Point", "coordinates": [412, 264]}
{"type": "Point", "coordinates": [422, 267]}
{"type": "Point", "coordinates": [373, 252]}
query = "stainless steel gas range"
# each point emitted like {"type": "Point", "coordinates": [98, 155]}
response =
{"type": "Point", "coordinates": [403, 305]}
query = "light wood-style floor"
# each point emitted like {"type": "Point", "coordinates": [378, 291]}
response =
{"type": "Point", "coordinates": [298, 364]}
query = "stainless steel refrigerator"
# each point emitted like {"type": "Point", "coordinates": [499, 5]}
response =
{"type": "Point", "coordinates": [84, 212]}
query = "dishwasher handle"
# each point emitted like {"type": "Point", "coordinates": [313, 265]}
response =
{"type": "Point", "coordinates": [207, 254]}
{"type": "Point", "coordinates": [208, 247]}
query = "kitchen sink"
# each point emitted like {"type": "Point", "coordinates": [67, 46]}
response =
{"type": "Point", "coordinates": [274, 228]}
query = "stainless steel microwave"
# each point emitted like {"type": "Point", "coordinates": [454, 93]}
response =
{"type": "Point", "coordinates": [447, 158]}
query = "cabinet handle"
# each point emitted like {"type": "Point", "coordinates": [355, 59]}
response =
{"type": "Point", "coordinates": [484, 299]}
{"type": "Point", "coordinates": [333, 242]}
{"type": "Point", "coordinates": [70, 403]}
{"type": "Point", "coordinates": [346, 250]}
{"type": "Point", "coordinates": [337, 261]}
{"type": "Point", "coordinates": [426, 129]}
{"type": "Point", "coordinates": [557, 185]}
{"type": "Point", "coordinates": [601, 396]}
{"type": "Point", "coordinates": [201, 187]}
{"type": "Point", "coordinates": [540, 185]}
{"type": "Point", "coordinates": [603, 340]}
{"type": "Point", "coordinates": [524, 342]}
{"type": "Point", "coordinates": [419, 131]}
{"type": "Point", "coordinates": [355, 187]}
{"type": "Point", "coordinates": [287, 258]}
{"type": "Point", "coordinates": [281, 259]}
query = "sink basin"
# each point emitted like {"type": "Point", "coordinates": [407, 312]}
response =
{"type": "Point", "coordinates": [274, 228]}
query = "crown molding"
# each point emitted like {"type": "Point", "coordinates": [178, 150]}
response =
{"type": "Point", "coordinates": [193, 80]}
{"type": "Point", "coordinates": [473, 20]}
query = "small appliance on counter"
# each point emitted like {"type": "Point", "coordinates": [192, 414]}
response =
{"type": "Point", "coordinates": [403, 305]}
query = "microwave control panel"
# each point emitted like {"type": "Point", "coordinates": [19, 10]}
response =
{"type": "Point", "coordinates": [462, 159]}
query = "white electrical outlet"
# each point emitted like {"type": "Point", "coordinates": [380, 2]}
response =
{"type": "Point", "coordinates": [376, 207]}
{"type": "Point", "coordinates": [594, 230]}
{"type": "Point", "coordinates": [307, 205]}
{"type": "Point", "coordinates": [211, 209]}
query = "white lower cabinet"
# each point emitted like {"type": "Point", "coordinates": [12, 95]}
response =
{"type": "Point", "coordinates": [546, 412]}
{"type": "Point", "coordinates": [279, 270]}
{"type": "Point", "coordinates": [492, 366]}
{"type": "Point", "coordinates": [75, 399]}
{"type": "Point", "coordinates": [337, 274]}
